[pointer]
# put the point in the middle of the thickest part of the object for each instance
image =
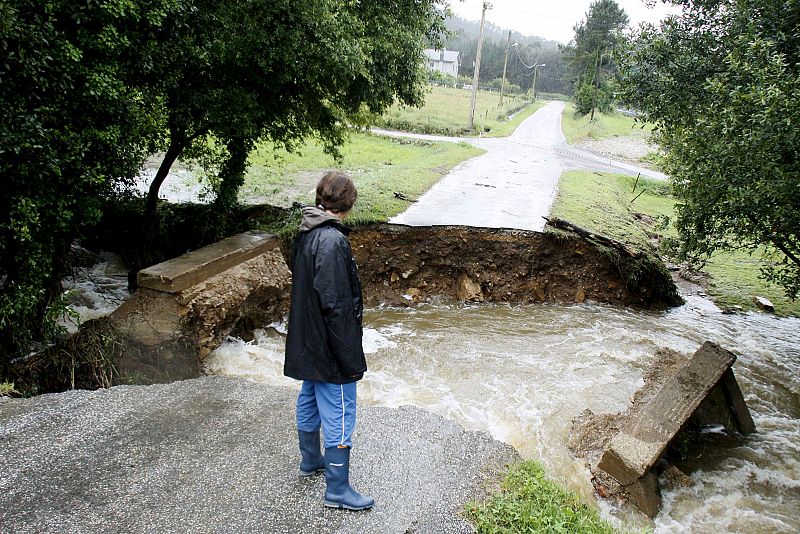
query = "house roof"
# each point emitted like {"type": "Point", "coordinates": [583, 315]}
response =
{"type": "Point", "coordinates": [450, 56]}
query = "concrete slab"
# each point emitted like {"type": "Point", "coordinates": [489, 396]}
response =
{"type": "Point", "coordinates": [196, 266]}
{"type": "Point", "coordinates": [637, 447]}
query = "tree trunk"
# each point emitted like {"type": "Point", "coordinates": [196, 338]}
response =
{"type": "Point", "coordinates": [174, 150]}
{"type": "Point", "coordinates": [591, 236]}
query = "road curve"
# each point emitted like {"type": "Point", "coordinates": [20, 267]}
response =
{"type": "Point", "coordinates": [514, 183]}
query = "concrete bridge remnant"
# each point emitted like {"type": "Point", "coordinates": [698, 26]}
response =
{"type": "Point", "coordinates": [186, 307]}
{"type": "Point", "coordinates": [627, 452]}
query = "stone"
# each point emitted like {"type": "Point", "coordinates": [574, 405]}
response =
{"type": "Point", "coordinates": [196, 266]}
{"type": "Point", "coordinates": [673, 478]}
{"type": "Point", "coordinates": [393, 277]}
{"type": "Point", "coordinates": [580, 295]}
{"type": "Point", "coordinates": [468, 290]}
{"type": "Point", "coordinates": [764, 304]}
{"type": "Point", "coordinates": [538, 293]}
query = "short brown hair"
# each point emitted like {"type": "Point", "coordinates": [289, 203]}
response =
{"type": "Point", "coordinates": [336, 192]}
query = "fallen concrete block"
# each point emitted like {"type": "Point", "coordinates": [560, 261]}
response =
{"type": "Point", "coordinates": [693, 392]}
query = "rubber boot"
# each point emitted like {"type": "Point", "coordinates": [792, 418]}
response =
{"type": "Point", "coordinates": [339, 494]}
{"type": "Point", "coordinates": [311, 462]}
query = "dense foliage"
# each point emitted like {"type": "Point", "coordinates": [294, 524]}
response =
{"type": "Point", "coordinates": [722, 84]}
{"type": "Point", "coordinates": [71, 124]}
{"type": "Point", "coordinates": [590, 55]}
{"type": "Point", "coordinates": [89, 89]}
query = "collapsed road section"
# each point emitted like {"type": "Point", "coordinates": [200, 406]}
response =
{"type": "Point", "coordinates": [401, 264]}
{"type": "Point", "coordinates": [627, 453]}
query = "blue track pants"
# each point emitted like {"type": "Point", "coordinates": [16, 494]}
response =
{"type": "Point", "coordinates": [333, 406]}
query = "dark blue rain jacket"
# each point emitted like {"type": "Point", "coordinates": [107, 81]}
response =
{"type": "Point", "coordinates": [324, 337]}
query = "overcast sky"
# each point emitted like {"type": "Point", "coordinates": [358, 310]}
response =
{"type": "Point", "coordinates": [551, 19]}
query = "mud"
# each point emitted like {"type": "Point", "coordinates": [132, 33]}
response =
{"type": "Point", "coordinates": [405, 265]}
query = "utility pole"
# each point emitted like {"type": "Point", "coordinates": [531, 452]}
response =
{"type": "Point", "coordinates": [505, 62]}
{"type": "Point", "coordinates": [535, 70]}
{"type": "Point", "coordinates": [471, 122]}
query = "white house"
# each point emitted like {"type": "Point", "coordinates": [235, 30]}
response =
{"type": "Point", "coordinates": [445, 61]}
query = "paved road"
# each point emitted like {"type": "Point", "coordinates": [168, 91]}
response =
{"type": "Point", "coordinates": [219, 455]}
{"type": "Point", "coordinates": [514, 183]}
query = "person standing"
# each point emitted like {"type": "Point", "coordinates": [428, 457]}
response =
{"type": "Point", "coordinates": [323, 344]}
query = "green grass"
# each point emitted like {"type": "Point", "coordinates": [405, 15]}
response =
{"type": "Point", "coordinates": [528, 502]}
{"type": "Point", "coordinates": [734, 282]}
{"type": "Point", "coordinates": [604, 125]}
{"type": "Point", "coordinates": [604, 203]}
{"type": "Point", "coordinates": [7, 389]}
{"type": "Point", "coordinates": [446, 112]}
{"type": "Point", "coordinates": [601, 202]}
{"type": "Point", "coordinates": [379, 166]}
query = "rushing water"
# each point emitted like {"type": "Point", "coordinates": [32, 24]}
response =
{"type": "Point", "coordinates": [523, 372]}
{"type": "Point", "coordinates": [96, 291]}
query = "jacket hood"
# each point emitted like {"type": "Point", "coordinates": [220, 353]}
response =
{"type": "Point", "coordinates": [313, 217]}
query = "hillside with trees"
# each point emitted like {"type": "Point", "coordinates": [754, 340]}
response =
{"type": "Point", "coordinates": [529, 51]}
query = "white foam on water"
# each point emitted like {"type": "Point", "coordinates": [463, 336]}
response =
{"type": "Point", "coordinates": [95, 291]}
{"type": "Point", "coordinates": [260, 360]}
{"type": "Point", "coordinates": [373, 340]}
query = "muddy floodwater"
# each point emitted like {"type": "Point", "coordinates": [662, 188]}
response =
{"type": "Point", "coordinates": [522, 373]}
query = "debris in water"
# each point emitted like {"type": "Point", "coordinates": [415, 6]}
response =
{"type": "Point", "coordinates": [681, 398]}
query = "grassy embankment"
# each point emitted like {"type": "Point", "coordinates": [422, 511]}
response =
{"type": "Point", "coordinates": [605, 203]}
{"type": "Point", "coordinates": [606, 125]}
{"type": "Point", "coordinates": [380, 167]}
{"type": "Point", "coordinates": [446, 112]}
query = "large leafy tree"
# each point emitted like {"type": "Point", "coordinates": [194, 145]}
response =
{"type": "Point", "coordinates": [72, 124]}
{"type": "Point", "coordinates": [590, 54]}
{"type": "Point", "coordinates": [722, 84]}
{"type": "Point", "coordinates": [283, 70]}
{"type": "Point", "coordinates": [90, 88]}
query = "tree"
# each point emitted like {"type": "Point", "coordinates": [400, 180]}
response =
{"type": "Point", "coordinates": [71, 126]}
{"type": "Point", "coordinates": [247, 70]}
{"type": "Point", "coordinates": [722, 85]}
{"type": "Point", "coordinates": [89, 89]}
{"type": "Point", "coordinates": [590, 54]}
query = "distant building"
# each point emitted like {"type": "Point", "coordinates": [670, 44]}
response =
{"type": "Point", "coordinates": [444, 61]}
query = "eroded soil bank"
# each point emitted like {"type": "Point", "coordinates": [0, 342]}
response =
{"type": "Point", "coordinates": [403, 264]}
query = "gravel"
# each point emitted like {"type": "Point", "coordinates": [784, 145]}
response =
{"type": "Point", "coordinates": [629, 149]}
{"type": "Point", "coordinates": [220, 455]}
